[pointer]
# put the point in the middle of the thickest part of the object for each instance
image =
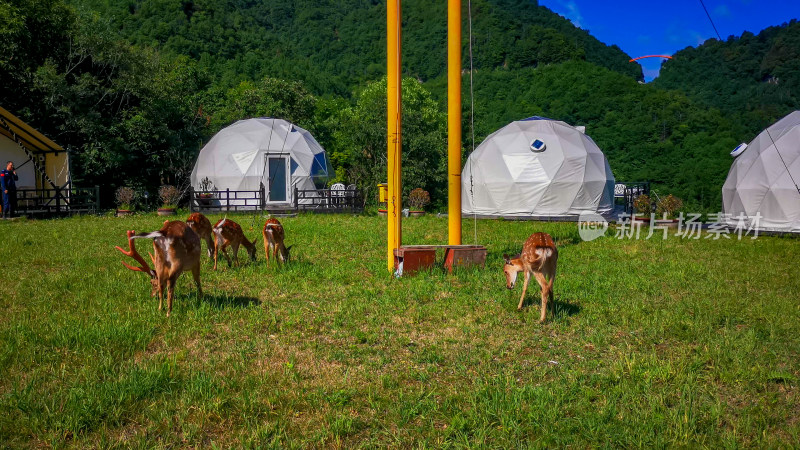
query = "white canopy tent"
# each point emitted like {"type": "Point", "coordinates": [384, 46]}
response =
{"type": "Point", "coordinates": [268, 152]}
{"type": "Point", "coordinates": [537, 167]}
{"type": "Point", "coordinates": [760, 191]}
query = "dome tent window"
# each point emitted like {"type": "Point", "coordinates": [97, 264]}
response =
{"type": "Point", "coordinates": [538, 146]}
{"type": "Point", "coordinates": [739, 149]}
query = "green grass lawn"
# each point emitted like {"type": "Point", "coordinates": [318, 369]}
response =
{"type": "Point", "coordinates": [653, 343]}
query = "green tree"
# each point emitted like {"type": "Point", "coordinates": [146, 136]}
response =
{"type": "Point", "coordinates": [270, 97]}
{"type": "Point", "coordinates": [360, 141]}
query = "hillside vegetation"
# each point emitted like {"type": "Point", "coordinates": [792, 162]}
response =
{"type": "Point", "coordinates": [753, 79]}
{"type": "Point", "coordinates": [134, 88]}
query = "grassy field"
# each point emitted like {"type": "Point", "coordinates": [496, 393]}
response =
{"type": "Point", "coordinates": [653, 343]}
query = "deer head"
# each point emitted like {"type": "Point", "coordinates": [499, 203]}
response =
{"type": "Point", "coordinates": [511, 267]}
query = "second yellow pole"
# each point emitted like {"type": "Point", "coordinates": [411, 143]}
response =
{"type": "Point", "coordinates": [454, 122]}
{"type": "Point", "coordinates": [394, 134]}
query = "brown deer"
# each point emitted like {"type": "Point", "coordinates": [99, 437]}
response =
{"type": "Point", "coordinates": [539, 258]}
{"type": "Point", "coordinates": [228, 233]}
{"type": "Point", "coordinates": [273, 241]}
{"type": "Point", "coordinates": [201, 225]}
{"type": "Point", "coordinates": [176, 248]}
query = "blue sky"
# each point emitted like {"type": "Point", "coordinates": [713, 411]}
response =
{"type": "Point", "coordinates": [664, 27]}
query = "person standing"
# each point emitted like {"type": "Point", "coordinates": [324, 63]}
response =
{"type": "Point", "coordinates": [8, 186]}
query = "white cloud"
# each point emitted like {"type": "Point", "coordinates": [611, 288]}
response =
{"type": "Point", "coordinates": [572, 12]}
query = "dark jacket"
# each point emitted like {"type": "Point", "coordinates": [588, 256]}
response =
{"type": "Point", "coordinates": [8, 181]}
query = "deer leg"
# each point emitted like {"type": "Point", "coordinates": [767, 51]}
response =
{"type": "Point", "coordinates": [196, 275]}
{"type": "Point", "coordinates": [266, 248]}
{"type": "Point", "coordinates": [235, 249]}
{"type": "Point", "coordinates": [545, 294]}
{"type": "Point", "coordinates": [524, 288]}
{"type": "Point", "coordinates": [160, 293]}
{"type": "Point", "coordinates": [170, 293]}
{"type": "Point", "coordinates": [216, 251]}
{"type": "Point", "coordinates": [225, 253]}
{"type": "Point", "coordinates": [210, 245]}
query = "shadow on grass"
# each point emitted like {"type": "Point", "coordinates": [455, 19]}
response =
{"type": "Point", "coordinates": [227, 301]}
{"type": "Point", "coordinates": [558, 307]}
{"type": "Point", "coordinates": [563, 308]}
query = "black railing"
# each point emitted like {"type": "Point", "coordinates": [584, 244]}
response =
{"type": "Point", "coordinates": [628, 192]}
{"type": "Point", "coordinates": [319, 200]}
{"type": "Point", "coordinates": [64, 200]}
{"type": "Point", "coordinates": [227, 200]}
{"type": "Point", "coordinates": [328, 200]}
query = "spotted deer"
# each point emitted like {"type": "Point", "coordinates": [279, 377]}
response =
{"type": "Point", "coordinates": [228, 233]}
{"type": "Point", "coordinates": [539, 258]}
{"type": "Point", "coordinates": [273, 241]}
{"type": "Point", "coordinates": [176, 248]}
{"type": "Point", "coordinates": [202, 226]}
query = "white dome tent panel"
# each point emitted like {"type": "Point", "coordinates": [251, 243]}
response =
{"type": "Point", "coordinates": [537, 167]}
{"type": "Point", "coordinates": [761, 184]}
{"type": "Point", "coordinates": [269, 155]}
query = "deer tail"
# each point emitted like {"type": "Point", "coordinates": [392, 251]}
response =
{"type": "Point", "coordinates": [220, 225]}
{"type": "Point", "coordinates": [152, 235]}
{"type": "Point", "coordinates": [543, 253]}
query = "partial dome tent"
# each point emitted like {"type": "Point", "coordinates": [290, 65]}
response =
{"type": "Point", "coordinates": [537, 167]}
{"type": "Point", "coordinates": [263, 153]}
{"type": "Point", "coordinates": [761, 188]}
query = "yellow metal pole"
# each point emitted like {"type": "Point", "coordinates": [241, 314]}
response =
{"type": "Point", "coordinates": [394, 135]}
{"type": "Point", "coordinates": [454, 121]}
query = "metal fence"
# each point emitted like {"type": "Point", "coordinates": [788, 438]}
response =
{"type": "Point", "coordinates": [227, 200]}
{"type": "Point", "coordinates": [628, 192]}
{"type": "Point", "coordinates": [64, 200]}
{"type": "Point", "coordinates": [316, 200]}
{"type": "Point", "coordinates": [329, 200]}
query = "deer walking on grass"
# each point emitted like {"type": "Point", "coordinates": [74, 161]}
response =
{"type": "Point", "coordinates": [273, 241]}
{"type": "Point", "coordinates": [176, 248]}
{"type": "Point", "coordinates": [202, 226]}
{"type": "Point", "coordinates": [228, 233]}
{"type": "Point", "coordinates": [539, 258]}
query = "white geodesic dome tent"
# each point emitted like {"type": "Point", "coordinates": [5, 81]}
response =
{"type": "Point", "coordinates": [265, 153]}
{"type": "Point", "coordinates": [760, 190]}
{"type": "Point", "coordinates": [537, 167]}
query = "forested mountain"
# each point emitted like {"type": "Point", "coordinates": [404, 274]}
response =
{"type": "Point", "coordinates": [135, 87]}
{"type": "Point", "coordinates": [752, 78]}
{"type": "Point", "coordinates": [333, 46]}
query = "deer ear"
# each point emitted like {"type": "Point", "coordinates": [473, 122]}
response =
{"type": "Point", "coordinates": [505, 258]}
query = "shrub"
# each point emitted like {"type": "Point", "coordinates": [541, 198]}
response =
{"type": "Point", "coordinates": [125, 197]}
{"type": "Point", "coordinates": [418, 199]}
{"type": "Point", "coordinates": [169, 195]}
{"type": "Point", "coordinates": [669, 205]}
{"type": "Point", "coordinates": [642, 204]}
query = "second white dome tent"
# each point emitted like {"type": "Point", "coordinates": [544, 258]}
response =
{"type": "Point", "coordinates": [268, 152]}
{"type": "Point", "coordinates": [537, 167]}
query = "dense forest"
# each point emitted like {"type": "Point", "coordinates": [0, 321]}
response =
{"type": "Point", "coordinates": [752, 79]}
{"type": "Point", "coordinates": [134, 88]}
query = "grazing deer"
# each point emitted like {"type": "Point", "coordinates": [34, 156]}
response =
{"type": "Point", "coordinates": [273, 241]}
{"type": "Point", "coordinates": [176, 248]}
{"type": "Point", "coordinates": [228, 233]}
{"type": "Point", "coordinates": [201, 225]}
{"type": "Point", "coordinates": [539, 257]}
